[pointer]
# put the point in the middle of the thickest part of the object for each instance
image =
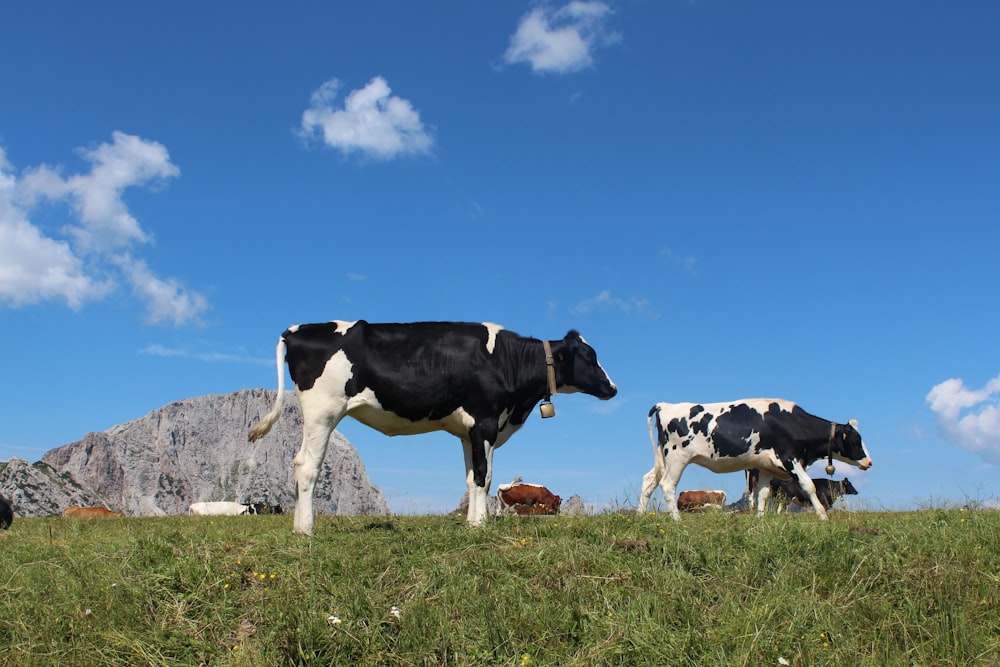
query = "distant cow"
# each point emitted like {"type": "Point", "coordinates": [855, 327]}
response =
{"type": "Point", "coordinates": [225, 508]}
{"type": "Point", "coordinates": [264, 508]}
{"type": "Point", "coordinates": [528, 499]}
{"type": "Point", "coordinates": [478, 382]}
{"type": "Point", "coordinates": [776, 436]}
{"type": "Point", "coordinates": [695, 500]}
{"type": "Point", "coordinates": [89, 512]}
{"type": "Point", "coordinates": [827, 490]}
{"type": "Point", "coordinates": [6, 513]}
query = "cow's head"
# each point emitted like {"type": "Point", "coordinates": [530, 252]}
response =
{"type": "Point", "coordinates": [848, 447]}
{"type": "Point", "coordinates": [847, 488]}
{"type": "Point", "coordinates": [577, 369]}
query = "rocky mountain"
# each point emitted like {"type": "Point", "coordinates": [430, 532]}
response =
{"type": "Point", "coordinates": [194, 450]}
{"type": "Point", "coordinates": [37, 489]}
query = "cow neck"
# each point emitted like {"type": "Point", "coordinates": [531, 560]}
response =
{"type": "Point", "coordinates": [550, 369]}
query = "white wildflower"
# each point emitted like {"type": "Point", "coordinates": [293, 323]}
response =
{"type": "Point", "coordinates": [333, 620]}
{"type": "Point", "coordinates": [395, 611]}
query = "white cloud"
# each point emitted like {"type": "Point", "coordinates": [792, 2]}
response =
{"type": "Point", "coordinates": [89, 256]}
{"type": "Point", "coordinates": [605, 300]}
{"type": "Point", "coordinates": [166, 299]}
{"type": "Point", "coordinates": [35, 268]}
{"type": "Point", "coordinates": [560, 40]}
{"type": "Point", "coordinates": [684, 262]}
{"type": "Point", "coordinates": [157, 350]}
{"type": "Point", "coordinates": [372, 121]}
{"type": "Point", "coordinates": [969, 418]}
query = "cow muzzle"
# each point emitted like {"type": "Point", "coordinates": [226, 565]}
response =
{"type": "Point", "coordinates": [865, 464]}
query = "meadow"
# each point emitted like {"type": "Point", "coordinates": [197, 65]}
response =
{"type": "Point", "coordinates": [865, 588]}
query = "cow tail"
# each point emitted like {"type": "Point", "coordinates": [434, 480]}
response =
{"type": "Point", "coordinates": [654, 414]}
{"type": "Point", "coordinates": [261, 428]}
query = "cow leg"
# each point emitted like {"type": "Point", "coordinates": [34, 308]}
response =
{"type": "Point", "coordinates": [806, 484]}
{"type": "Point", "coordinates": [751, 490]}
{"type": "Point", "coordinates": [668, 484]}
{"type": "Point", "coordinates": [649, 482]}
{"type": "Point", "coordinates": [808, 487]}
{"type": "Point", "coordinates": [478, 477]}
{"type": "Point", "coordinates": [315, 438]}
{"type": "Point", "coordinates": [763, 492]}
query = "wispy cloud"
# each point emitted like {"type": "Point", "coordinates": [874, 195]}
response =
{"type": "Point", "coordinates": [91, 256]}
{"type": "Point", "coordinates": [681, 261]}
{"type": "Point", "coordinates": [969, 418]}
{"type": "Point", "coordinates": [605, 300]}
{"type": "Point", "coordinates": [561, 40]}
{"type": "Point", "coordinates": [356, 277]}
{"type": "Point", "coordinates": [372, 121]}
{"type": "Point", "coordinates": [157, 350]}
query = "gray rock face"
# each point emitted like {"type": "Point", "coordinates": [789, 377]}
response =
{"type": "Point", "coordinates": [573, 506]}
{"type": "Point", "coordinates": [197, 449]}
{"type": "Point", "coordinates": [39, 490]}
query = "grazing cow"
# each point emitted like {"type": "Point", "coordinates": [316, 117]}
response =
{"type": "Point", "coordinates": [89, 512]}
{"type": "Point", "coordinates": [6, 513]}
{"type": "Point", "coordinates": [225, 508]}
{"type": "Point", "coordinates": [478, 382]}
{"type": "Point", "coordinates": [696, 500]}
{"type": "Point", "coordinates": [774, 435]}
{"type": "Point", "coordinates": [528, 499]}
{"type": "Point", "coordinates": [827, 490]}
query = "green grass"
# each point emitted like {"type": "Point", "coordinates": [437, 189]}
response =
{"type": "Point", "coordinates": [908, 588]}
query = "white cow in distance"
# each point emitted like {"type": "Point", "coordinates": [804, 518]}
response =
{"type": "Point", "coordinates": [221, 508]}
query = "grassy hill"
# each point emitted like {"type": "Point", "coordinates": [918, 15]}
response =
{"type": "Point", "coordinates": [865, 588]}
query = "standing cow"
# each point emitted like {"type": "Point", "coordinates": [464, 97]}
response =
{"type": "Point", "coordinates": [776, 436]}
{"type": "Point", "coordinates": [478, 382]}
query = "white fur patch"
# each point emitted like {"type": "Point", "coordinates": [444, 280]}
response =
{"type": "Point", "coordinates": [493, 329]}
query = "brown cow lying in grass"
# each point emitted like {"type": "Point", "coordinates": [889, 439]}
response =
{"type": "Point", "coordinates": [89, 512]}
{"type": "Point", "coordinates": [689, 501]}
{"type": "Point", "coordinates": [528, 499]}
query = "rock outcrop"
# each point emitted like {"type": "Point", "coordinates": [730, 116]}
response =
{"type": "Point", "coordinates": [194, 450]}
{"type": "Point", "coordinates": [37, 489]}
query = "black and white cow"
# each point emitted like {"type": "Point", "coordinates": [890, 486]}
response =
{"type": "Point", "coordinates": [775, 436]}
{"type": "Point", "coordinates": [827, 490]}
{"type": "Point", "coordinates": [224, 508]}
{"type": "Point", "coordinates": [478, 382]}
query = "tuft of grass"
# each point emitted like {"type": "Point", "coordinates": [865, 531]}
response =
{"type": "Point", "coordinates": [865, 588]}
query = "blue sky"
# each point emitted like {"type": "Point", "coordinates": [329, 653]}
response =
{"type": "Point", "coordinates": [728, 199]}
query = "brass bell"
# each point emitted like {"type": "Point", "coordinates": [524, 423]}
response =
{"type": "Point", "coordinates": [547, 409]}
{"type": "Point", "coordinates": [830, 469]}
